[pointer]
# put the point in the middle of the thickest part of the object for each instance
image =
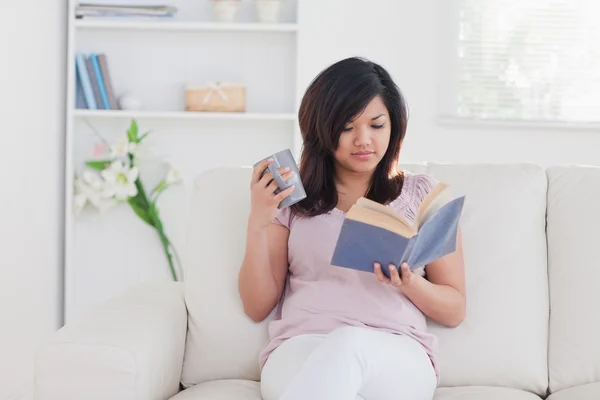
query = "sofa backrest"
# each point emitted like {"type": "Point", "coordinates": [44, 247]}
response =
{"type": "Point", "coordinates": [574, 275]}
{"type": "Point", "coordinates": [222, 342]}
{"type": "Point", "coordinates": [502, 342]}
{"type": "Point", "coordinates": [503, 339]}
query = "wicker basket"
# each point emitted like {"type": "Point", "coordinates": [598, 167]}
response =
{"type": "Point", "coordinates": [216, 97]}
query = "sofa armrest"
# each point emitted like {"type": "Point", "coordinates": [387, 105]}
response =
{"type": "Point", "coordinates": [129, 348]}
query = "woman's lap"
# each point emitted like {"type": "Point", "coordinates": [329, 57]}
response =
{"type": "Point", "coordinates": [372, 364]}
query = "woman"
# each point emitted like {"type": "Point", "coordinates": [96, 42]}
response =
{"type": "Point", "coordinates": [340, 334]}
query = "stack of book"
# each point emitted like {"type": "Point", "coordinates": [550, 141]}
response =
{"type": "Point", "coordinates": [93, 84]}
{"type": "Point", "coordinates": [100, 10]}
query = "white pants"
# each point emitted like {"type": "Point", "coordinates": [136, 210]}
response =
{"type": "Point", "coordinates": [349, 364]}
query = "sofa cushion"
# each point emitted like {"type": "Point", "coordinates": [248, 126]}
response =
{"type": "Point", "coordinates": [503, 340]}
{"type": "Point", "coordinates": [222, 342]}
{"type": "Point", "coordinates": [482, 393]}
{"type": "Point", "coordinates": [583, 392]}
{"type": "Point", "coordinates": [231, 389]}
{"type": "Point", "coordinates": [574, 273]}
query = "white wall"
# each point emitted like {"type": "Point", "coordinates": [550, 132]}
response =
{"type": "Point", "coordinates": [402, 36]}
{"type": "Point", "coordinates": [31, 133]}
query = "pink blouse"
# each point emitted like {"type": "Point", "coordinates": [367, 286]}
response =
{"type": "Point", "coordinates": [319, 297]}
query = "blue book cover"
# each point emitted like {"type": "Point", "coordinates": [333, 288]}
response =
{"type": "Point", "coordinates": [101, 85]}
{"type": "Point", "coordinates": [79, 96]}
{"type": "Point", "coordinates": [372, 232]}
{"type": "Point", "coordinates": [86, 82]}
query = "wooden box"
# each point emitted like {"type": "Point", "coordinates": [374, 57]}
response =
{"type": "Point", "coordinates": [216, 97]}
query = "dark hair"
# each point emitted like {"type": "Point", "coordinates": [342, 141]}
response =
{"type": "Point", "coordinates": [336, 96]}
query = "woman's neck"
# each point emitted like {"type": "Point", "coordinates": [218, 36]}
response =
{"type": "Point", "coordinates": [350, 186]}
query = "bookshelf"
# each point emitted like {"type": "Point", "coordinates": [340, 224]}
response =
{"type": "Point", "coordinates": [105, 254]}
{"type": "Point", "coordinates": [184, 26]}
{"type": "Point", "coordinates": [183, 115]}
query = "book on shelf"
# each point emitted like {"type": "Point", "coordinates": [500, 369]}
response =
{"type": "Point", "coordinates": [114, 9]}
{"type": "Point", "coordinates": [372, 232]}
{"type": "Point", "coordinates": [93, 84]}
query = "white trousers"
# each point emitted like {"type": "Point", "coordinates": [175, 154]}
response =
{"type": "Point", "coordinates": [350, 363]}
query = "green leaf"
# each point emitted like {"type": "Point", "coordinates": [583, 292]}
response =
{"type": "Point", "coordinates": [162, 185]}
{"type": "Point", "coordinates": [141, 193]}
{"type": "Point", "coordinates": [154, 215]}
{"type": "Point", "coordinates": [141, 212]}
{"type": "Point", "coordinates": [143, 136]}
{"type": "Point", "coordinates": [98, 164]}
{"type": "Point", "coordinates": [132, 133]}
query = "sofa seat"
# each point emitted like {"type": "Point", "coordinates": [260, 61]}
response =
{"type": "Point", "coordinates": [482, 393]}
{"type": "Point", "coordinates": [590, 391]}
{"type": "Point", "coordinates": [240, 389]}
{"type": "Point", "coordinates": [224, 389]}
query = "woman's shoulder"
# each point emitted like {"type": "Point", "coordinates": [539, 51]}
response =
{"type": "Point", "coordinates": [415, 188]}
{"type": "Point", "coordinates": [284, 217]}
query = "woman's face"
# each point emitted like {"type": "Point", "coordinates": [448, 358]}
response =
{"type": "Point", "coordinates": [365, 140]}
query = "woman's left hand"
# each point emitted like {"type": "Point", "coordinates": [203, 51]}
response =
{"type": "Point", "coordinates": [408, 278]}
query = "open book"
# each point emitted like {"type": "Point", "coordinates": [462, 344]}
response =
{"type": "Point", "coordinates": [372, 232]}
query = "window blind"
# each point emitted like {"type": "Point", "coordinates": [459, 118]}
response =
{"type": "Point", "coordinates": [525, 60]}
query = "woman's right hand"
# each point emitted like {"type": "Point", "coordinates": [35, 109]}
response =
{"type": "Point", "coordinates": [264, 201]}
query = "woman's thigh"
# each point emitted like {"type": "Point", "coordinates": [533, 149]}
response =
{"type": "Point", "coordinates": [392, 366]}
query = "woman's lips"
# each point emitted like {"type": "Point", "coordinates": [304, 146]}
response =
{"type": "Point", "coordinates": [363, 155]}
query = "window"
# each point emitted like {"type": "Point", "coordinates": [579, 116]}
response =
{"type": "Point", "coordinates": [521, 60]}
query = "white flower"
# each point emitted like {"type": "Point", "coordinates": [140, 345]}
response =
{"type": "Point", "coordinates": [93, 180]}
{"type": "Point", "coordinates": [142, 151]}
{"type": "Point", "coordinates": [120, 181]}
{"type": "Point", "coordinates": [89, 188]}
{"type": "Point", "coordinates": [122, 148]}
{"type": "Point", "coordinates": [174, 175]}
{"type": "Point", "coordinates": [79, 201]}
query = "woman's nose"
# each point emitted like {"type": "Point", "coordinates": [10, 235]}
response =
{"type": "Point", "coordinates": [363, 137]}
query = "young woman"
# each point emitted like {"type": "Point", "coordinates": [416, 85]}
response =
{"type": "Point", "coordinates": [340, 334]}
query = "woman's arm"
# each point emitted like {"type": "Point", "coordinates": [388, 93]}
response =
{"type": "Point", "coordinates": [442, 295]}
{"type": "Point", "coordinates": [264, 269]}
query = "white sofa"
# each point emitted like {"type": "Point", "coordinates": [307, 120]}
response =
{"type": "Point", "coordinates": [530, 239]}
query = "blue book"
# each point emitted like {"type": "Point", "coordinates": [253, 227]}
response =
{"type": "Point", "coordinates": [372, 232]}
{"type": "Point", "coordinates": [79, 96]}
{"type": "Point", "coordinates": [101, 85]}
{"type": "Point", "coordinates": [86, 82]}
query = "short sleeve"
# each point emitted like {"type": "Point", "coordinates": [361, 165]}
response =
{"type": "Point", "coordinates": [422, 185]}
{"type": "Point", "coordinates": [283, 217]}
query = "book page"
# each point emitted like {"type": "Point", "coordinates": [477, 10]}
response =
{"type": "Point", "coordinates": [437, 237]}
{"type": "Point", "coordinates": [375, 206]}
{"type": "Point", "coordinates": [439, 196]}
{"type": "Point", "coordinates": [379, 219]}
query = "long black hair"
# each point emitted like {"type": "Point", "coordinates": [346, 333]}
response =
{"type": "Point", "coordinates": [336, 96]}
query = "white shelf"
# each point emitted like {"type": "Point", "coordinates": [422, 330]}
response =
{"type": "Point", "coordinates": [152, 59]}
{"type": "Point", "coordinates": [182, 26]}
{"type": "Point", "coordinates": [240, 116]}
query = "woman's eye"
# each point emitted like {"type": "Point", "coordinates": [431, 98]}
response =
{"type": "Point", "coordinates": [378, 126]}
{"type": "Point", "coordinates": [347, 129]}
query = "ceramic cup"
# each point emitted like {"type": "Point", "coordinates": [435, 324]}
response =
{"type": "Point", "coordinates": [284, 159]}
